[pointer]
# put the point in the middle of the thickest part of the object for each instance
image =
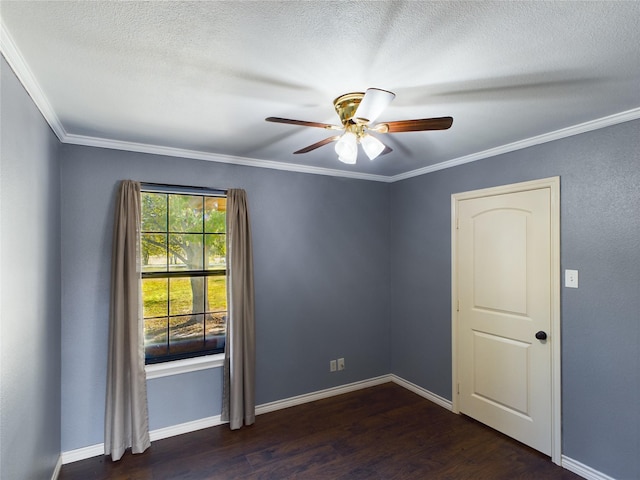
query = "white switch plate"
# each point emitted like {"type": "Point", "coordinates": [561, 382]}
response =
{"type": "Point", "coordinates": [571, 278]}
{"type": "Point", "coordinates": [341, 364]}
{"type": "Point", "coordinates": [332, 366]}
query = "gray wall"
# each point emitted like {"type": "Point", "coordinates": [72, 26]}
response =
{"type": "Point", "coordinates": [29, 287]}
{"type": "Point", "coordinates": [600, 237]}
{"type": "Point", "coordinates": [321, 253]}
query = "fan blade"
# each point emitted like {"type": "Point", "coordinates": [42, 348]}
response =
{"type": "Point", "coordinates": [318, 144]}
{"type": "Point", "coordinates": [373, 103]}
{"type": "Point", "coordinates": [419, 125]}
{"type": "Point", "coordinates": [302, 123]}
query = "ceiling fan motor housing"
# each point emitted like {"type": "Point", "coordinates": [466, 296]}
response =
{"type": "Point", "coordinates": [346, 106]}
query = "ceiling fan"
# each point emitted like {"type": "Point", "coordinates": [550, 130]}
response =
{"type": "Point", "coordinates": [357, 112]}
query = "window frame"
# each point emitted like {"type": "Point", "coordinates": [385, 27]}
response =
{"type": "Point", "coordinates": [172, 364]}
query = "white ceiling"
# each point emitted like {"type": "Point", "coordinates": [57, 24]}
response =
{"type": "Point", "coordinates": [197, 79]}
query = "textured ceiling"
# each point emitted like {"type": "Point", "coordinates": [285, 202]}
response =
{"type": "Point", "coordinates": [198, 78]}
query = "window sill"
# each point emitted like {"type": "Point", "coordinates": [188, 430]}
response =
{"type": "Point", "coordinates": [158, 370]}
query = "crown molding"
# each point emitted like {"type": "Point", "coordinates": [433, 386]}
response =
{"type": "Point", "coordinates": [215, 157]}
{"type": "Point", "coordinates": [15, 59]}
{"type": "Point", "coordinates": [17, 63]}
{"type": "Point", "coordinates": [603, 122]}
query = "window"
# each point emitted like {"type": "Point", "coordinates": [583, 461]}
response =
{"type": "Point", "coordinates": [184, 291]}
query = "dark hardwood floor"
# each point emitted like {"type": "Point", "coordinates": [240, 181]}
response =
{"type": "Point", "coordinates": [383, 432]}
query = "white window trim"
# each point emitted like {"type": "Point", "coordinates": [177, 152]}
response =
{"type": "Point", "coordinates": [176, 367]}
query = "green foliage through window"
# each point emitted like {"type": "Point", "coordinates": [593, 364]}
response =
{"type": "Point", "coordinates": [183, 250]}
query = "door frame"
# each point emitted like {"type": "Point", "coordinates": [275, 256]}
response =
{"type": "Point", "coordinates": [553, 184]}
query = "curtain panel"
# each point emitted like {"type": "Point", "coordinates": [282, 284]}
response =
{"type": "Point", "coordinates": [238, 406]}
{"type": "Point", "coordinates": [126, 415]}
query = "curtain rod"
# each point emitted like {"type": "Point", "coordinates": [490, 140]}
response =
{"type": "Point", "coordinates": [185, 187]}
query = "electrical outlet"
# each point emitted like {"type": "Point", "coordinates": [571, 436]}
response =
{"type": "Point", "coordinates": [571, 278]}
{"type": "Point", "coordinates": [332, 366]}
{"type": "Point", "coordinates": [341, 364]}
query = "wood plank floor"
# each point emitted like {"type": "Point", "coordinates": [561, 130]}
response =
{"type": "Point", "coordinates": [383, 432]}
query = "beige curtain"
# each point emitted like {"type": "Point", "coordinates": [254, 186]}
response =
{"type": "Point", "coordinates": [126, 418]}
{"type": "Point", "coordinates": [239, 406]}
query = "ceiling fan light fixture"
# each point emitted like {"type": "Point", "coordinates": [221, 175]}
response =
{"type": "Point", "coordinates": [347, 148]}
{"type": "Point", "coordinates": [357, 112]}
{"type": "Point", "coordinates": [373, 103]}
{"type": "Point", "coordinates": [371, 146]}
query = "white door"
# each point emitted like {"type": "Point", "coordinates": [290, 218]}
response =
{"type": "Point", "coordinates": [505, 302]}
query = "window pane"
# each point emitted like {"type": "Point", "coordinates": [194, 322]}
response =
{"type": "Point", "coordinates": [155, 337]}
{"type": "Point", "coordinates": [185, 252]}
{"type": "Point", "coordinates": [216, 251]}
{"type": "Point", "coordinates": [186, 334]}
{"type": "Point", "coordinates": [215, 330]}
{"type": "Point", "coordinates": [154, 252]}
{"type": "Point", "coordinates": [154, 212]}
{"type": "Point", "coordinates": [217, 293]}
{"type": "Point", "coordinates": [184, 316]}
{"type": "Point", "coordinates": [215, 212]}
{"type": "Point", "coordinates": [185, 213]}
{"type": "Point", "coordinates": [186, 295]}
{"type": "Point", "coordinates": [154, 297]}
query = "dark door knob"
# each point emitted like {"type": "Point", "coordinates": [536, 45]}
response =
{"type": "Point", "coordinates": [541, 335]}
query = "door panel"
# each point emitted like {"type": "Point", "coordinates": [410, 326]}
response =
{"type": "Point", "coordinates": [504, 277]}
{"type": "Point", "coordinates": [506, 254]}
{"type": "Point", "coordinates": [499, 360]}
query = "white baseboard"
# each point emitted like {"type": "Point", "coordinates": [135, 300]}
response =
{"type": "Point", "coordinates": [187, 427]}
{"type": "Point", "coordinates": [83, 453]}
{"type": "Point", "coordinates": [437, 399]}
{"type": "Point", "coordinates": [56, 470]}
{"type": "Point", "coordinates": [319, 395]}
{"type": "Point", "coordinates": [583, 470]}
{"type": "Point", "coordinates": [158, 434]}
